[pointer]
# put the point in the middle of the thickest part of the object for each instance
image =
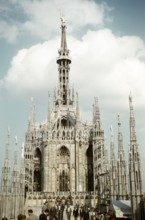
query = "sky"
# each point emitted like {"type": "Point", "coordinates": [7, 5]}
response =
{"type": "Point", "coordinates": [107, 48]}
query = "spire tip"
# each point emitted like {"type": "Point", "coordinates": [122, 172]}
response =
{"type": "Point", "coordinates": [111, 130]}
{"type": "Point", "coordinates": [63, 21]}
{"type": "Point", "coordinates": [130, 97]}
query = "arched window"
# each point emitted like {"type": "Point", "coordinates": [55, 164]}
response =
{"type": "Point", "coordinates": [37, 170]}
{"type": "Point", "coordinates": [63, 122]}
{"type": "Point", "coordinates": [64, 169]}
{"type": "Point", "coordinates": [90, 178]}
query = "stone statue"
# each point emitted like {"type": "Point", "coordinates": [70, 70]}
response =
{"type": "Point", "coordinates": [63, 21]}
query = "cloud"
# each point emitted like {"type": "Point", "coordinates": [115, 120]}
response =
{"type": "Point", "coordinates": [10, 20]}
{"type": "Point", "coordinates": [8, 31]}
{"type": "Point", "coordinates": [79, 14]}
{"type": "Point", "coordinates": [36, 18]}
{"type": "Point", "coordinates": [114, 66]}
{"type": "Point", "coordinates": [32, 69]}
{"type": "Point", "coordinates": [103, 65]}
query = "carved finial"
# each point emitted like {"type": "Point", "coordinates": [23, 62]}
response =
{"type": "Point", "coordinates": [111, 130]}
{"type": "Point", "coordinates": [22, 152]}
{"type": "Point", "coordinates": [130, 98]}
{"type": "Point", "coordinates": [118, 116]}
{"type": "Point", "coordinates": [16, 140]}
{"type": "Point", "coordinates": [8, 130]}
{"type": "Point", "coordinates": [16, 150]}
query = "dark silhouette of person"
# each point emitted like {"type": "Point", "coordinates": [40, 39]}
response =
{"type": "Point", "coordinates": [44, 215]}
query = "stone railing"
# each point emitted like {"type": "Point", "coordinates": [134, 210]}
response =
{"type": "Point", "coordinates": [38, 198]}
{"type": "Point", "coordinates": [60, 194]}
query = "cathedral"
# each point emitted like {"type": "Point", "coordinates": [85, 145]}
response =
{"type": "Point", "coordinates": [66, 159]}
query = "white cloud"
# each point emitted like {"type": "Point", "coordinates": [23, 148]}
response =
{"type": "Point", "coordinates": [40, 15]}
{"type": "Point", "coordinates": [40, 18]}
{"type": "Point", "coordinates": [110, 66]}
{"type": "Point", "coordinates": [103, 65]}
{"type": "Point", "coordinates": [32, 69]}
{"type": "Point", "coordinates": [8, 31]}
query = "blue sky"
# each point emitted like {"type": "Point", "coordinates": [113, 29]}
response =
{"type": "Point", "coordinates": [107, 46]}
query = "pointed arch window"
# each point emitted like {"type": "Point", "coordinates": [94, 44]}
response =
{"type": "Point", "coordinates": [89, 175]}
{"type": "Point", "coordinates": [63, 122]}
{"type": "Point", "coordinates": [37, 170]}
{"type": "Point", "coordinates": [64, 169]}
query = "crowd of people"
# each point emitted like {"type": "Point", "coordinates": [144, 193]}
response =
{"type": "Point", "coordinates": [61, 211]}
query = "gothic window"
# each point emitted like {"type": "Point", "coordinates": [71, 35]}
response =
{"type": "Point", "coordinates": [58, 135]}
{"type": "Point", "coordinates": [57, 124]}
{"type": "Point", "coordinates": [63, 135]}
{"type": "Point", "coordinates": [90, 178]}
{"type": "Point", "coordinates": [68, 135]}
{"type": "Point", "coordinates": [26, 189]}
{"type": "Point", "coordinates": [37, 170]}
{"type": "Point", "coordinates": [64, 155]}
{"type": "Point", "coordinates": [64, 169]}
{"type": "Point", "coordinates": [63, 122]}
{"type": "Point", "coordinates": [53, 135]}
{"type": "Point", "coordinates": [64, 97]}
{"type": "Point", "coordinates": [37, 180]}
{"type": "Point", "coordinates": [64, 181]}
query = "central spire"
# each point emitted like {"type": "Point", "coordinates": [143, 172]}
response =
{"type": "Point", "coordinates": [63, 62]}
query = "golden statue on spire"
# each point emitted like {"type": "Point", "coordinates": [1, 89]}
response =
{"type": "Point", "coordinates": [63, 21]}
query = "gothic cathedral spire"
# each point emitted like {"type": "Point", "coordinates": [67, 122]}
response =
{"type": "Point", "coordinates": [121, 166]}
{"type": "Point", "coordinates": [63, 62]}
{"type": "Point", "coordinates": [5, 183]}
{"type": "Point", "coordinates": [113, 171]}
{"type": "Point", "coordinates": [134, 169]}
{"type": "Point", "coordinates": [15, 182]}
